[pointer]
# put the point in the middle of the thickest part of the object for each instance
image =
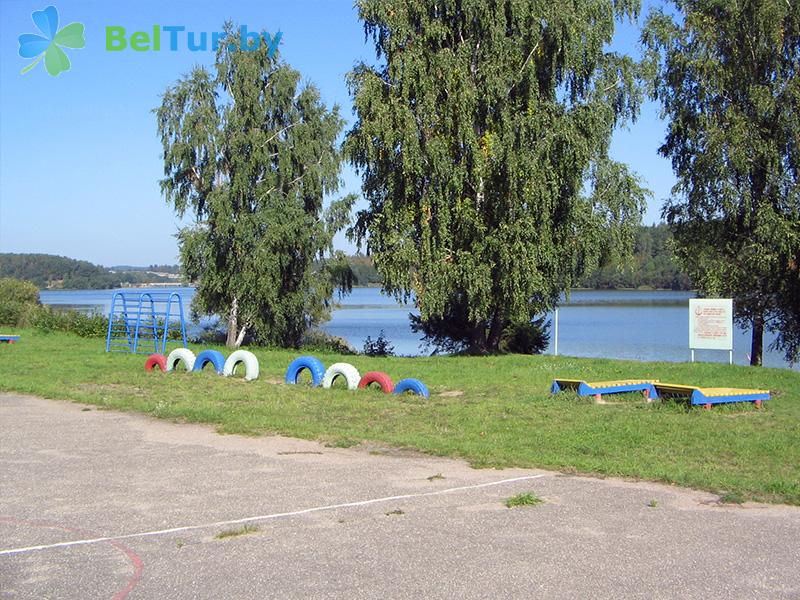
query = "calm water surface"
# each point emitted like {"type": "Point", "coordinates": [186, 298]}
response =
{"type": "Point", "coordinates": [639, 325]}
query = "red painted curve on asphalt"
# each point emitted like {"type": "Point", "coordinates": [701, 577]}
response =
{"type": "Point", "coordinates": [138, 565]}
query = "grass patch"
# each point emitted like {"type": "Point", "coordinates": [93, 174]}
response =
{"type": "Point", "coordinates": [504, 417]}
{"type": "Point", "coordinates": [435, 477]}
{"type": "Point", "coordinates": [243, 530]}
{"type": "Point", "coordinates": [394, 512]}
{"type": "Point", "coordinates": [524, 499]}
{"type": "Point", "coordinates": [653, 503]}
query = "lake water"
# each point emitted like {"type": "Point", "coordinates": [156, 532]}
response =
{"type": "Point", "coordinates": [638, 325]}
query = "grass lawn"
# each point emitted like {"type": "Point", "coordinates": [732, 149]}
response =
{"type": "Point", "coordinates": [491, 411]}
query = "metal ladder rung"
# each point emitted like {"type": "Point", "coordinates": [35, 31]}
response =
{"type": "Point", "coordinates": [145, 321]}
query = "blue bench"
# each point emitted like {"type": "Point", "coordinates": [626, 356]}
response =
{"type": "Point", "coordinates": [597, 389]}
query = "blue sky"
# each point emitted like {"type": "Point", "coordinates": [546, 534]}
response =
{"type": "Point", "coordinates": [79, 156]}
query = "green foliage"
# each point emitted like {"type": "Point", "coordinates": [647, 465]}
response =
{"type": "Point", "coordinates": [726, 74]}
{"type": "Point", "coordinates": [250, 154]}
{"type": "Point", "coordinates": [318, 340]}
{"type": "Point", "coordinates": [209, 333]}
{"type": "Point", "coordinates": [48, 319]}
{"type": "Point", "coordinates": [526, 338]}
{"type": "Point", "coordinates": [378, 347]}
{"type": "Point", "coordinates": [476, 135]}
{"type": "Point", "coordinates": [652, 265]}
{"type": "Point", "coordinates": [17, 299]}
{"type": "Point", "coordinates": [16, 290]}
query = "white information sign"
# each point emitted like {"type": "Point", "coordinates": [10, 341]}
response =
{"type": "Point", "coordinates": [711, 324]}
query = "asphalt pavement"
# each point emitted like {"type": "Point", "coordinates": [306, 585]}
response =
{"type": "Point", "coordinates": [101, 504]}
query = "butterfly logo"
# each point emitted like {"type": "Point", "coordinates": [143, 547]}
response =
{"type": "Point", "coordinates": [48, 45]}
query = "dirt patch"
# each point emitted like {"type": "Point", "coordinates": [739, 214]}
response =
{"type": "Point", "coordinates": [451, 394]}
{"type": "Point", "coordinates": [381, 450]}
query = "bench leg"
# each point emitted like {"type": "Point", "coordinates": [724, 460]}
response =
{"type": "Point", "coordinates": [598, 398]}
{"type": "Point", "coordinates": [707, 406]}
{"type": "Point", "coordinates": [758, 403]}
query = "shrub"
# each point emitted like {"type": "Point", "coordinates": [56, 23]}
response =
{"type": "Point", "coordinates": [378, 347]}
{"type": "Point", "coordinates": [210, 333]}
{"type": "Point", "coordinates": [17, 299]}
{"type": "Point", "coordinates": [46, 318]}
{"type": "Point", "coordinates": [317, 339]}
{"type": "Point", "coordinates": [526, 338]}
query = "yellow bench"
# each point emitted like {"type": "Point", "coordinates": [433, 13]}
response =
{"type": "Point", "coordinates": [598, 388]}
{"type": "Point", "coordinates": [709, 396]}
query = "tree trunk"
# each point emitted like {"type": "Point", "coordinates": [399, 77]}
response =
{"type": "Point", "coordinates": [233, 324]}
{"type": "Point", "coordinates": [757, 344]}
{"type": "Point", "coordinates": [240, 337]}
{"type": "Point", "coordinates": [495, 331]}
{"type": "Point", "coordinates": [478, 341]}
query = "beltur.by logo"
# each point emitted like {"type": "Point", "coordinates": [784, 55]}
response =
{"type": "Point", "coordinates": [48, 45]}
{"type": "Point", "coordinates": [176, 37]}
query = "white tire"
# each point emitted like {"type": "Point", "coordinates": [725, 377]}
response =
{"type": "Point", "coordinates": [346, 370]}
{"type": "Point", "coordinates": [250, 364]}
{"type": "Point", "coordinates": [180, 354]}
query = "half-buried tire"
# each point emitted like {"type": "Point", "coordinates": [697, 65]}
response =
{"type": "Point", "coordinates": [178, 356]}
{"type": "Point", "coordinates": [346, 370]}
{"type": "Point", "coordinates": [248, 359]}
{"type": "Point", "coordinates": [156, 360]}
{"type": "Point", "coordinates": [379, 377]}
{"type": "Point", "coordinates": [210, 356]}
{"type": "Point", "coordinates": [414, 386]}
{"type": "Point", "coordinates": [314, 365]}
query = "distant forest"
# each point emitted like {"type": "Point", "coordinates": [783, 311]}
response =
{"type": "Point", "coordinates": [47, 271]}
{"type": "Point", "coordinates": [651, 266]}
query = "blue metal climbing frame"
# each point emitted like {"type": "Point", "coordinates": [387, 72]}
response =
{"type": "Point", "coordinates": [141, 322]}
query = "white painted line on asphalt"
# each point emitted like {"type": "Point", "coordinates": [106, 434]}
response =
{"type": "Point", "coordinates": [293, 513]}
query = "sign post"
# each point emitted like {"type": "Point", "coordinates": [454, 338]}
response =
{"type": "Point", "coordinates": [711, 325]}
{"type": "Point", "coordinates": [555, 333]}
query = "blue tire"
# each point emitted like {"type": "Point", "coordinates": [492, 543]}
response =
{"type": "Point", "coordinates": [412, 385]}
{"type": "Point", "coordinates": [305, 362]}
{"type": "Point", "coordinates": [209, 356]}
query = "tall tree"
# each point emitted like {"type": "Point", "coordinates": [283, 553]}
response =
{"type": "Point", "coordinates": [477, 133]}
{"type": "Point", "coordinates": [250, 154]}
{"type": "Point", "coordinates": [728, 77]}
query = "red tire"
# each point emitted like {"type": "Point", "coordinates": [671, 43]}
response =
{"type": "Point", "coordinates": [156, 360]}
{"type": "Point", "coordinates": [379, 377]}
